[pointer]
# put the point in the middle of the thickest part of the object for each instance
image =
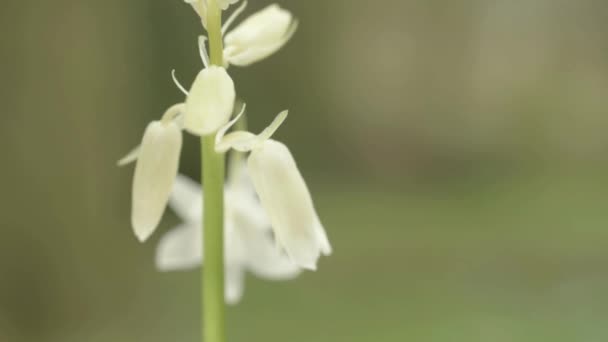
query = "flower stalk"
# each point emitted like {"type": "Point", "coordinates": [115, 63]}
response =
{"type": "Point", "coordinates": [268, 225]}
{"type": "Point", "coordinates": [212, 175]}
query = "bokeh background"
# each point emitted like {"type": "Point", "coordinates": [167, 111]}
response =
{"type": "Point", "coordinates": [457, 152]}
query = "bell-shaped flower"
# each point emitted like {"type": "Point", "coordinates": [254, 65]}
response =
{"type": "Point", "coordinates": [282, 191]}
{"type": "Point", "coordinates": [210, 101]}
{"type": "Point", "coordinates": [157, 161]}
{"type": "Point", "coordinates": [155, 170]}
{"type": "Point", "coordinates": [249, 245]}
{"type": "Point", "coordinates": [258, 36]}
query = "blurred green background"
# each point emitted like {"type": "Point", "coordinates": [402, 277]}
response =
{"type": "Point", "coordinates": [457, 152]}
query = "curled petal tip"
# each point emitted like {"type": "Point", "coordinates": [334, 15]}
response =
{"type": "Point", "coordinates": [245, 141]}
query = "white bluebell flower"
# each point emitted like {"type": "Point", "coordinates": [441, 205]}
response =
{"type": "Point", "coordinates": [157, 160]}
{"type": "Point", "coordinates": [248, 242]}
{"type": "Point", "coordinates": [282, 191]}
{"type": "Point", "coordinates": [259, 36]}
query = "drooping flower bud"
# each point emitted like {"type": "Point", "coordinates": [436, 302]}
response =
{"type": "Point", "coordinates": [287, 201]}
{"type": "Point", "coordinates": [155, 171]}
{"type": "Point", "coordinates": [282, 191]}
{"type": "Point", "coordinates": [210, 101]}
{"type": "Point", "coordinates": [259, 36]}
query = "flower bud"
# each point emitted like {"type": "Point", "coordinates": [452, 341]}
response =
{"type": "Point", "coordinates": [155, 171]}
{"type": "Point", "coordinates": [287, 201]}
{"type": "Point", "coordinates": [210, 101]}
{"type": "Point", "coordinates": [259, 36]}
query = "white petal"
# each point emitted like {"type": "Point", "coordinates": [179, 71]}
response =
{"type": "Point", "coordinates": [287, 201]}
{"type": "Point", "coordinates": [243, 205]}
{"type": "Point", "coordinates": [265, 26]}
{"type": "Point", "coordinates": [324, 244]}
{"type": "Point", "coordinates": [249, 212]}
{"type": "Point", "coordinates": [234, 284]}
{"type": "Point", "coordinates": [240, 180]}
{"type": "Point", "coordinates": [180, 249]}
{"type": "Point", "coordinates": [187, 199]}
{"type": "Point", "coordinates": [242, 57]}
{"type": "Point", "coordinates": [241, 141]}
{"type": "Point", "coordinates": [246, 141]}
{"type": "Point", "coordinates": [245, 210]}
{"type": "Point", "coordinates": [210, 101]}
{"type": "Point", "coordinates": [234, 258]}
{"type": "Point", "coordinates": [265, 260]}
{"type": "Point", "coordinates": [259, 36]}
{"type": "Point", "coordinates": [155, 171]}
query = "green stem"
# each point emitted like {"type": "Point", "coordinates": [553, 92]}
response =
{"type": "Point", "coordinates": [213, 307]}
{"type": "Point", "coordinates": [213, 242]}
{"type": "Point", "coordinates": [214, 29]}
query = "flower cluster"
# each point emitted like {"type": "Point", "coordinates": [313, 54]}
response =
{"type": "Point", "coordinates": [271, 227]}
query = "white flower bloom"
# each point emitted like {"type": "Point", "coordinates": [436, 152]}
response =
{"type": "Point", "coordinates": [282, 191]}
{"type": "Point", "coordinates": [258, 36]}
{"type": "Point", "coordinates": [209, 102]}
{"type": "Point", "coordinates": [284, 194]}
{"type": "Point", "coordinates": [249, 245]}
